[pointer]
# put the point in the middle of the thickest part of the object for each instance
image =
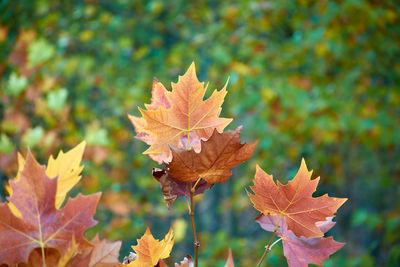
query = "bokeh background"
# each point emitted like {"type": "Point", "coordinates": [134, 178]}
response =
{"type": "Point", "coordinates": [312, 79]}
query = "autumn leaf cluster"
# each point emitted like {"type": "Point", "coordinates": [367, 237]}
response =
{"type": "Point", "coordinates": [41, 226]}
{"type": "Point", "coordinates": [185, 133]}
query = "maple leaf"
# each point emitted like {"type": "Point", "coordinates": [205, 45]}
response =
{"type": "Point", "coordinates": [177, 113]}
{"type": "Point", "coordinates": [149, 250]}
{"type": "Point", "coordinates": [173, 189]}
{"type": "Point", "coordinates": [41, 225]}
{"type": "Point", "coordinates": [65, 167]}
{"type": "Point", "coordinates": [301, 251]}
{"type": "Point", "coordinates": [294, 201]}
{"type": "Point", "coordinates": [213, 163]}
{"type": "Point", "coordinates": [101, 254]}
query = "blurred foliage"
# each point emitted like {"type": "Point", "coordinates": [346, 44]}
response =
{"type": "Point", "coordinates": [313, 79]}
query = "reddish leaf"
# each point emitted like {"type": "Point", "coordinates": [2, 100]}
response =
{"type": "Point", "coordinates": [213, 163]}
{"type": "Point", "coordinates": [294, 201]}
{"type": "Point", "coordinates": [66, 167]}
{"type": "Point", "coordinates": [41, 225]}
{"type": "Point", "coordinates": [173, 189]}
{"type": "Point", "coordinates": [102, 254]}
{"type": "Point", "coordinates": [229, 260]}
{"type": "Point", "coordinates": [187, 115]}
{"type": "Point", "coordinates": [302, 251]}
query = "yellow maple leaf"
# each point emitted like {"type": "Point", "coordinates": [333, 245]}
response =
{"type": "Point", "coordinates": [149, 250]}
{"type": "Point", "coordinates": [65, 166]}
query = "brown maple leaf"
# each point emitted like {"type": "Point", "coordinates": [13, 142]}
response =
{"type": "Point", "coordinates": [41, 225]}
{"type": "Point", "coordinates": [213, 163]}
{"type": "Point", "coordinates": [177, 113]}
{"type": "Point", "coordinates": [294, 201]}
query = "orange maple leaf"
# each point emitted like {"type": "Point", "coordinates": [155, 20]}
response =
{"type": "Point", "coordinates": [179, 113]}
{"type": "Point", "coordinates": [42, 225]}
{"type": "Point", "coordinates": [213, 163]}
{"type": "Point", "coordinates": [294, 201]}
{"type": "Point", "coordinates": [150, 251]}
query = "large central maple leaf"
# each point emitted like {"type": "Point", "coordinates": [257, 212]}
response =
{"type": "Point", "coordinates": [41, 225]}
{"type": "Point", "coordinates": [179, 113]}
{"type": "Point", "coordinates": [294, 201]}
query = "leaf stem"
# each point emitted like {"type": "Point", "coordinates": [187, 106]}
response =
{"type": "Point", "coordinates": [196, 242]}
{"type": "Point", "coordinates": [43, 255]}
{"type": "Point", "coordinates": [269, 246]}
{"type": "Point", "coordinates": [273, 244]}
{"type": "Point", "coordinates": [194, 187]}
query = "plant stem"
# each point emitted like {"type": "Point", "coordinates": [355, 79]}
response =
{"type": "Point", "coordinates": [268, 247]}
{"type": "Point", "coordinates": [196, 242]}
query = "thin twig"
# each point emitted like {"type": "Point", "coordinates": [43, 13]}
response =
{"type": "Point", "coordinates": [268, 247]}
{"type": "Point", "coordinates": [196, 242]}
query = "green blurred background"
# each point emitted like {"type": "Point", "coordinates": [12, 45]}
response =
{"type": "Point", "coordinates": [312, 79]}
